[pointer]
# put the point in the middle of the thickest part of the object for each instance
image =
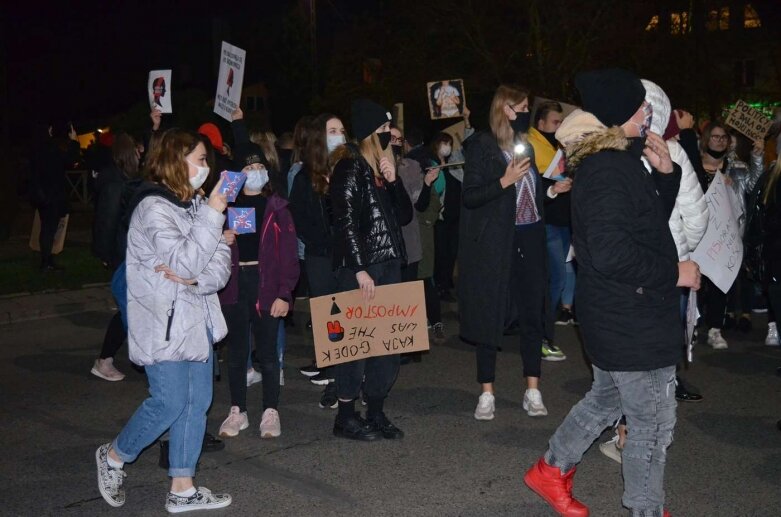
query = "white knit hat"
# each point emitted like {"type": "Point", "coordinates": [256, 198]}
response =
{"type": "Point", "coordinates": [655, 96]}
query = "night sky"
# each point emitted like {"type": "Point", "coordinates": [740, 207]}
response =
{"type": "Point", "coordinates": [85, 61]}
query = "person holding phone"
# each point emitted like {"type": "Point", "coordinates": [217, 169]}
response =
{"type": "Point", "coordinates": [502, 251]}
{"type": "Point", "coordinates": [177, 259]}
{"type": "Point", "coordinates": [370, 205]}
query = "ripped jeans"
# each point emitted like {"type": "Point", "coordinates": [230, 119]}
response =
{"type": "Point", "coordinates": [647, 399]}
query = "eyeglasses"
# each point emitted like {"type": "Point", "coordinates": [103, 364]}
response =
{"type": "Point", "coordinates": [719, 137]}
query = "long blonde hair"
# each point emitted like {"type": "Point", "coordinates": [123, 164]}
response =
{"type": "Point", "coordinates": [167, 164]}
{"type": "Point", "coordinates": [372, 151]}
{"type": "Point", "coordinates": [769, 196]}
{"type": "Point", "coordinates": [506, 95]}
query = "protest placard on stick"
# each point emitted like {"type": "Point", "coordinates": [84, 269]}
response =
{"type": "Point", "coordinates": [158, 88]}
{"type": "Point", "coordinates": [229, 80]}
{"type": "Point", "coordinates": [752, 123]}
{"type": "Point", "coordinates": [720, 252]}
{"type": "Point", "coordinates": [446, 99]}
{"type": "Point", "coordinates": [345, 328]}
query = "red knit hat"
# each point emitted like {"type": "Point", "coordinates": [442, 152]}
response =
{"type": "Point", "coordinates": [672, 126]}
{"type": "Point", "coordinates": [212, 132]}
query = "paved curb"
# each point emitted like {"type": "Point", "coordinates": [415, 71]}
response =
{"type": "Point", "coordinates": [32, 307]}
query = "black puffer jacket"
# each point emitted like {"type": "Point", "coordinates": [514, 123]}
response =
{"type": "Point", "coordinates": [368, 213]}
{"type": "Point", "coordinates": [108, 213]}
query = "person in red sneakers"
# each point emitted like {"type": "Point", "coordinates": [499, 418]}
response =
{"type": "Point", "coordinates": [627, 291]}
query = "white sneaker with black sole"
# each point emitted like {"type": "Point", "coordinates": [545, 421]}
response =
{"type": "Point", "coordinates": [202, 499]}
{"type": "Point", "coordinates": [320, 379]}
{"type": "Point", "coordinates": [109, 479]}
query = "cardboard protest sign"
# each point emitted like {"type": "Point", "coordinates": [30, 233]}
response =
{"type": "Point", "coordinates": [347, 329]}
{"type": "Point", "coordinates": [446, 99]}
{"type": "Point", "coordinates": [556, 168]}
{"type": "Point", "coordinates": [229, 80]}
{"type": "Point", "coordinates": [231, 184]}
{"type": "Point", "coordinates": [242, 220]}
{"type": "Point", "coordinates": [158, 88]}
{"type": "Point", "coordinates": [720, 252]}
{"type": "Point", "coordinates": [59, 235]}
{"type": "Point", "coordinates": [752, 123]}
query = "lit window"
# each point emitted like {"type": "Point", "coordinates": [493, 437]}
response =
{"type": "Point", "coordinates": [724, 19]}
{"type": "Point", "coordinates": [653, 24]}
{"type": "Point", "coordinates": [679, 23]}
{"type": "Point", "coordinates": [751, 18]}
{"type": "Point", "coordinates": [712, 21]}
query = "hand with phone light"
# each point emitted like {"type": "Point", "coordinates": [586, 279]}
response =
{"type": "Point", "coordinates": [518, 166]}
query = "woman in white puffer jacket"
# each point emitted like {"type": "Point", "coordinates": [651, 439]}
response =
{"type": "Point", "coordinates": [689, 218]}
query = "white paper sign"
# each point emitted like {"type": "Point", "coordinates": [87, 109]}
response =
{"type": "Point", "coordinates": [229, 80]}
{"type": "Point", "coordinates": [158, 88]}
{"type": "Point", "coordinates": [720, 252]}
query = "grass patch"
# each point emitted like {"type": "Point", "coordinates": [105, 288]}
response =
{"type": "Point", "coordinates": [19, 270]}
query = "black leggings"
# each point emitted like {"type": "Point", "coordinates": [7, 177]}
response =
{"type": "Point", "coordinates": [380, 372]}
{"type": "Point", "coordinates": [50, 220]}
{"type": "Point", "coordinates": [528, 285]}
{"type": "Point", "coordinates": [244, 322]}
{"type": "Point", "coordinates": [115, 336]}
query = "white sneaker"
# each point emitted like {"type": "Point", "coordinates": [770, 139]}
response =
{"type": "Point", "coordinates": [270, 427]}
{"type": "Point", "coordinates": [772, 335]}
{"type": "Point", "coordinates": [202, 499]}
{"type": "Point", "coordinates": [236, 421]}
{"type": "Point", "coordinates": [485, 407]}
{"type": "Point", "coordinates": [253, 377]}
{"type": "Point", "coordinates": [104, 368]}
{"type": "Point", "coordinates": [611, 450]}
{"type": "Point", "coordinates": [532, 403]}
{"type": "Point", "coordinates": [715, 340]}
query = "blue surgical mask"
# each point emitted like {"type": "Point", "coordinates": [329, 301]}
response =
{"type": "Point", "coordinates": [256, 179]}
{"type": "Point", "coordinates": [334, 141]}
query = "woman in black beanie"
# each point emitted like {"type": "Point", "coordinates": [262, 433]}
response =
{"type": "Point", "coordinates": [370, 205]}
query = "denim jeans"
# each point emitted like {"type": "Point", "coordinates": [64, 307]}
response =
{"type": "Point", "coordinates": [647, 399]}
{"type": "Point", "coordinates": [562, 274]}
{"type": "Point", "coordinates": [180, 393]}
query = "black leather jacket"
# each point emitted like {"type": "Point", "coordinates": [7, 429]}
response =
{"type": "Point", "coordinates": [367, 217]}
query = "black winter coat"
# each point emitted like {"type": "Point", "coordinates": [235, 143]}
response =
{"type": "Point", "coordinates": [311, 216]}
{"type": "Point", "coordinates": [108, 214]}
{"type": "Point", "coordinates": [49, 184]}
{"type": "Point", "coordinates": [628, 303]}
{"type": "Point", "coordinates": [368, 213]}
{"type": "Point", "coordinates": [486, 233]}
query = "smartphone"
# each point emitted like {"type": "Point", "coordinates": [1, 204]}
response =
{"type": "Point", "coordinates": [520, 152]}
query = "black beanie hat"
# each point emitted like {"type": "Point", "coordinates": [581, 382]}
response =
{"type": "Point", "coordinates": [613, 95]}
{"type": "Point", "coordinates": [248, 153]}
{"type": "Point", "coordinates": [367, 116]}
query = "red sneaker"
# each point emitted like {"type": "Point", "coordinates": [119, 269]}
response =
{"type": "Point", "coordinates": [555, 488]}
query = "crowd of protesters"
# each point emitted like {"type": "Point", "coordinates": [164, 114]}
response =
{"type": "Point", "coordinates": [604, 243]}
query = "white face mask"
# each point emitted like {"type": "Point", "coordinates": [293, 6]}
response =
{"type": "Point", "coordinates": [445, 150]}
{"type": "Point", "coordinates": [200, 177]}
{"type": "Point", "coordinates": [334, 141]}
{"type": "Point", "coordinates": [256, 179]}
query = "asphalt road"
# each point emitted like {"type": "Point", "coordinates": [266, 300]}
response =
{"type": "Point", "coordinates": [725, 461]}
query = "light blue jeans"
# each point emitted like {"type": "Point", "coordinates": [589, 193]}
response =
{"type": "Point", "coordinates": [180, 393]}
{"type": "Point", "coordinates": [648, 401]}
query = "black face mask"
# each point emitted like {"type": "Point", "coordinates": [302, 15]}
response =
{"type": "Point", "coordinates": [398, 151]}
{"type": "Point", "coordinates": [718, 155]}
{"type": "Point", "coordinates": [550, 137]}
{"type": "Point", "coordinates": [521, 122]}
{"type": "Point", "coordinates": [385, 139]}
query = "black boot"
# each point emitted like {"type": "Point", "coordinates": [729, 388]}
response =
{"type": "Point", "coordinates": [684, 395]}
{"type": "Point", "coordinates": [355, 428]}
{"type": "Point", "coordinates": [389, 431]}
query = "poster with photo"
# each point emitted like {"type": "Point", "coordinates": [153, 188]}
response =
{"type": "Point", "coordinates": [229, 80]}
{"type": "Point", "coordinates": [446, 99]}
{"type": "Point", "coordinates": [158, 88]}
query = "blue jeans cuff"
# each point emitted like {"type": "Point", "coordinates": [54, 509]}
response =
{"type": "Point", "coordinates": [126, 458]}
{"type": "Point", "coordinates": [181, 473]}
